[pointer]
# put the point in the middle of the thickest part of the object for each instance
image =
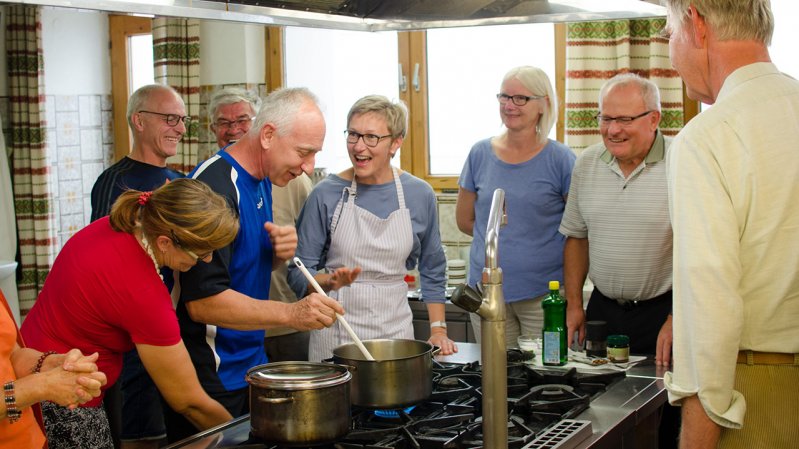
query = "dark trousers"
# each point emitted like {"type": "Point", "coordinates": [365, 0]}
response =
{"type": "Point", "coordinates": [287, 348]}
{"type": "Point", "coordinates": [641, 322]}
{"type": "Point", "coordinates": [237, 402]}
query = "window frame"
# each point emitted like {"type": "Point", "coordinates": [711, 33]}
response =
{"type": "Point", "coordinates": [120, 29]}
{"type": "Point", "coordinates": [412, 50]}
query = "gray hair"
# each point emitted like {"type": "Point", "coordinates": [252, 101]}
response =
{"type": "Point", "coordinates": [142, 94]}
{"type": "Point", "coordinates": [231, 95]}
{"type": "Point", "coordinates": [649, 90]}
{"type": "Point", "coordinates": [395, 113]}
{"type": "Point", "coordinates": [730, 19]}
{"type": "Point", "coordinates": [536, 81]}
{"type": "Point", "coordinates": [281, 107]}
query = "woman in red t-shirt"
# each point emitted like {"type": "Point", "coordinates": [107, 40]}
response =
{"type": "Point", "coordinates": [104, 294]}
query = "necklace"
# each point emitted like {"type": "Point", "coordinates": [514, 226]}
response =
{"type": "Point", "coordinates": [150, 253]}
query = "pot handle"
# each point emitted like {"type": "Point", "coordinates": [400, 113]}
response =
{"type": "Point", "coordinates": [275, 400]}
{"type": "Point", "coordinates": [436, 350]}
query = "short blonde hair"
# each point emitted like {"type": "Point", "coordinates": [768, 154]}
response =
{"type": "Point", "coordinates": [185, 208]}
{"type": "Point", "coordinates": [536, 81]}
{"type": "Point", "coordinates": [394, 112]}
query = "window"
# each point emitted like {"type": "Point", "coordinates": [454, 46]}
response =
{"type": "Point", "coordinates": [140, 63]}
{"type": "Point", "coordinates": [465, 67]}
{"type": "Point", "coordinates": [340, 67]}
{"type": "Point", "coordinates": [124, 53]}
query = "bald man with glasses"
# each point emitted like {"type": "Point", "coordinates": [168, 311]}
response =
{"type": "Point", "coordinates": [157, 118]}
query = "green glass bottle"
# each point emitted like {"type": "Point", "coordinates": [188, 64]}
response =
{"type": "Point", "coordinates": [554, 334]}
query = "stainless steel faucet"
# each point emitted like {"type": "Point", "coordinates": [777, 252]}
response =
{"type": "Point", "coordinates": [493, 352]}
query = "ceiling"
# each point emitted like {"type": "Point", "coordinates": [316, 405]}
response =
{"type": "Point", "coordinates": [376, 15]}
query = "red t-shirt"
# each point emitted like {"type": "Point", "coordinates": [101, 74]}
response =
{"type": "Point", "coordinates": [102, 295]}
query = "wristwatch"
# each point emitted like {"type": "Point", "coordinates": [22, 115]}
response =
{"type": "Point", "coordinates": [438, 324]}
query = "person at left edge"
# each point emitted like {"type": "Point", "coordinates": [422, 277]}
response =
{"type": "Point", "coordinates": [157, 120]}
{"type": "Point", "coordinates": [30, 376]}
{"type": "Point", "coordinates": [223, 308]}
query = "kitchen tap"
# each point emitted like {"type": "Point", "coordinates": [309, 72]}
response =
{"type": "Point", "coordinates": [491, 310]}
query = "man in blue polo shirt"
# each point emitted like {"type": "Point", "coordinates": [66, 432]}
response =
{"type": "Point", "coordinates": [223, 307]}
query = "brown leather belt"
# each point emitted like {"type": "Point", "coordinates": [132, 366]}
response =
{"type": "Point", "coordinates": [767, 358]}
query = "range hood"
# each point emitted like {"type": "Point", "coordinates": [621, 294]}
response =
{"type": "Point", "coordinates": [376, 15]}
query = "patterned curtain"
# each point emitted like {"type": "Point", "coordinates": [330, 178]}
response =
{"type": "Point", "coordinates": [33, 199]}
{"type": "Point", "coordinates": [596, 51]}
{"type": "Point", "coordinates": [176, 54]}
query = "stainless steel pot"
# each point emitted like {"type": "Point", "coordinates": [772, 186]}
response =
{"type": "Point", "coordinates": [299, 403]}
{"type": "Point", "coordinates": [401, 374]}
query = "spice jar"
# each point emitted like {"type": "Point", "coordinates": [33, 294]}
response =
{"type": "Point", "coordinates": [596, 334]}
{"type": "Point", "coordinates": [619, 348]}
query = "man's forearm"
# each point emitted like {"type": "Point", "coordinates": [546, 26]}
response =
{"type": "Point", "coordinates": [698, 430]}
{"type": "Point", "coordinates": [234, 310]}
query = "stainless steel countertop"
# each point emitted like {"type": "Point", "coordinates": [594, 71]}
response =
{"type": "Point", "coordinates": [615, 412]}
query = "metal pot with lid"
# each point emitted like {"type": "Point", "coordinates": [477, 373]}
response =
{"type": "Point", "coordinates": [299, 403]}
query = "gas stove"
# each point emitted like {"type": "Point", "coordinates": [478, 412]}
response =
{"type": "Point", "coordinates": [540, 402]}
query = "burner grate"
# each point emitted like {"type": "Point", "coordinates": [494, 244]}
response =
{"type": "Point", "coordinates": [567, 434]}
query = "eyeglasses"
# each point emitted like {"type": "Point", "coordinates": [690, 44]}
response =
{"type": "Point", "coordinates": [370, 140]}
{"type": "Point", "coordinates": [188, 251]}
{"type": "Point", "coordinates": [518, 100]}
{"type": "Point", "coordinates": [238, 123]}
{"type": "Point", "coordinates": [171, 119]}
{"type": "Point", "coordinates": [605, 120]}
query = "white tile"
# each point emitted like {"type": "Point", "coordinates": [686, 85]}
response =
{"type": "Point", "coordinates": [66, 103]}
{"type": "Point", "coordinates": [69, 171]}
{"type": "Point", "coordinates": [71, 223]}
{"type": "Point", "coordinates": [107, 126]}
{"type": "Point", "coordinates": [71, 205]}
{"type": "Point", "coordinates": [90, 172]}
{"type": "Point", "coordinates": [68, 153]}
{"type": "Point", "coordinates": [71, 190]}
{"type": "Point", "coordinates": [87, 210]}
{"type": "Point", "coordinates": [91, 144]}
{"type": "Point", "coordinates": [67, 128]}
{"type": "Point", "coordinates": [89, 108]}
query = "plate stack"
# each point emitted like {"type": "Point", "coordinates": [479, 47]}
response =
{"type": "Point", "coordinates": [456, 272]}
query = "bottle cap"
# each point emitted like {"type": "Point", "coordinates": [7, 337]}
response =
{"type": "Point", "coordinates": [618, 340]}
{"type": "Point", "coordinates": [554, 285]}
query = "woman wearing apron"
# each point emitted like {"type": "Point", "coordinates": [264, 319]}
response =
{"type": "Point", "coordinates": [368, 226]}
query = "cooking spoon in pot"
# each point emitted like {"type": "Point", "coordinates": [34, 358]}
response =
{"type": "Point", "coordinates": [344, 322]}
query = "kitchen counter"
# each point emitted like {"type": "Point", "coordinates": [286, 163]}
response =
{"type": "Point", "coordinates": [625, 416]}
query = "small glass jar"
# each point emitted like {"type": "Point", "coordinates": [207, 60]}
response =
{"type": "Point", "coordinates": [596, 334]}
{"type": "Point", "coordinates": [619, 348]}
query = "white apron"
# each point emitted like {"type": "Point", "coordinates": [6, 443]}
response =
{"type": "Point", "coordinates": [376, 304]}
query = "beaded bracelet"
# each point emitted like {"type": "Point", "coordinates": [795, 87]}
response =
{"type": "Point", "coordinates": [12, 412]}
{"type": "Point", "coordinates": [40, 362]}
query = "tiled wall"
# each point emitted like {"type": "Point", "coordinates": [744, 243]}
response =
{"type": "Point", "coordinates": [457, 243]}
{"type": "Point", "coordinates": [80, 138]}
{"type": "Point", "coordinates": [80, 147]}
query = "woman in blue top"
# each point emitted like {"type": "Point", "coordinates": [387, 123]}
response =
{"type": "Point", "coordinates": [535, 173]}
{"type": "Point", "coordinates": [380, 221]}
